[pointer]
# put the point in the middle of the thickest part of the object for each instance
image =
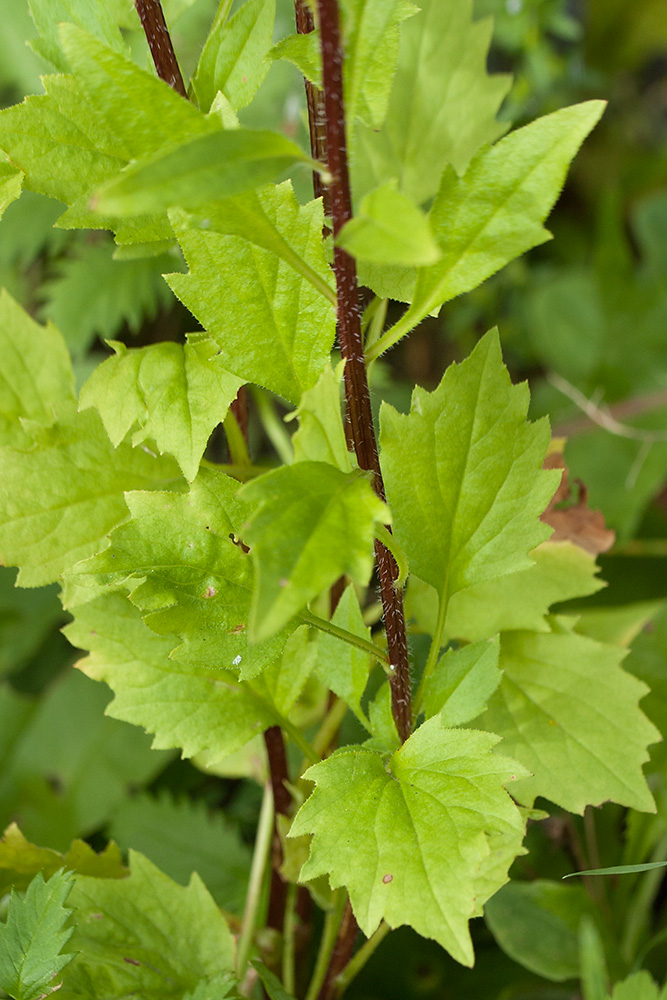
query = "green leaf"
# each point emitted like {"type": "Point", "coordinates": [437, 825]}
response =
{"type": "Point", "coordinates": [371, 36]}
{"type": "Point", "coordinates": [36, 376]}
{"type": "Point", "coordinates": [620, 869]}
{"type": "Point", "coordinates": [20, 860]}
{"type": "Point", "coordinates": [11, 182]}
{"type": "Point", "coordinates": [344, 669]}
{"type": "Point", "coordinates": [537, 924]}
{"type": "Point", "coordinates": [33, 937]}
{"type": "Point", "coordinates": [463, 475]}
{"type": "Point", "coordinates": [321, 434]}
{"type": "Point", "coordinates": [564, 697]}
{"type": "Point", "coordinates": [463, 681]}
{"type": "Point", "coordinates": [220, 988]}
{"type": "Point", "coordinates": [442, 106]}
{"type": "Point", "coordinates": [67, 767]}
{"type": "Point", "coordinates": [521, 600]}
{"type": "Point", "coordinates": [185, 572]}
{"type": "Point", "coordinates": [182, 836]}
{"type": "Point", "coordinates": [315, 523]}
{"type": "Point", "coordinates": [96, 19]}
{"type": "Point", "coordinates": [389, 229]}
{"type": "Point", "coordinates": [145, 935]}
{"type": "Point", "coordinates": [192, 708]}
{"type": "Point", "coordinates": [59, 499]}
{"type": "Point", "coordinates": [233, 286]}
{"type": "Point", "coordinates": [639, 986]}
{"type": "Point", "coordinates": [233, 59]}
{"type": "Point", "coordinates": [219, 165]}
{"type": "Point", "coordinates": [495, 212]}
{"type": "Point", "coordinates": [303, 51]}
{"type": "Point", "coordinates": [94, 295]}
{"type": "Point", "coordinates": [271, 983]}
{"type": "Point", "coordinates": [168, 393]}
{"type": "Point", "coordinates": [284, 680]}
{"type": "Point", "coordinates": [373, 821]}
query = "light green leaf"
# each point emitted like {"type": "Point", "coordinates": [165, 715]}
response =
{"type": "Point", "coordinates": [303, 51]}
{"type": "Point", "coordinates": [219, 165]}
{"type": "Point", "coordinates": [186, 574]}
{"type": "Point", "coordinates": [221, 988]}
{"type": "Point", "coordinates": [95, 18]}
{"type": "Point", "coordinates": [11, 182]}
{"type": "Point", "coordinates": [370, 34]}
{"type": "Point", "coordinates": [36, 378]}
{"type": "Point", "coordinates": [172, 394]}
{"type": "Point", "coordinates": [343, 668]}
{"type": "Point", "coordinates": [382, 722]}
{"type": "Point", "coordinates": [495, 211]}
{"type": "Point", "coordinates": [233, 286]}
{"type": "Point", "coordinates": [182, 836]}
{"type": "Point", "coordinates": [20, 860]}
{"type": "Point", "coordinates": [321, 435]}
{"type": "Point", "coordinates": [521, 600]}
{"type": "Point", "coordinates": [33, 937]}
{"type": "Point", "coordinates": [463, 475]}
{"type": "Point", "coordinates": [537, 924]}
{"type": "Point", "coordinates": [145, 935]}
{"type": "Point", "coordinates": [373, 821]}
{"type": "Point", "coordinates": [93, 295]}
{"type": "Point", "coordinates": [271, 983]}
{"type": "Point", "coordinates": [283, 681]}
{"type": "Point", "coordinates": [639, 986]}
{"type": "Point", "coordinates": [389, 229]}
{"type": "Point", "coordinates": [463, 681]}
{"type": "Point", "coordinates": [315, 523]}
{"type": "Point", "coordinates": [60, 498]}
{"type": "Point", "coordinates": [67, 767]}
{"type": "Point", "coordinates": [192, 708]}
{"type": "Point", "coordinates": [442, 107]}
{"type": "Point", "coordinates": [564, 697]}
{"type": "Point", "coordinates": [233, 59]}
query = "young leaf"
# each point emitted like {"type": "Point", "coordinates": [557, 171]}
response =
{"type": "Point", "coordinates": [172, 394]}
{"type": "Point", "coordinates": [564, 696]}
{"type": "Point", "coordinates": [315, 523]}
{"type": "Point", "coordinates": [20, 860]}
{"type": "Point", "coordinates": [145, 935]}
{"type": "Point", "coordinates": [190, 707]}
{"type": "Point", "coordinates": [463, 475]}
{"type": "Point", "coordinates": [234, 287]}
{"type": "Point", "coordinates": [495, 211]}
{"type": "Point", "coordinates": [463, 681]}
{"type": "Point", "coordinates": [345, 668]}
{"type": "Point", "coordinates": [177, 555]}
{"type": "Point", "coordinates": [442, 106]}
{"type": "Point", "coordinates": [97, 19]}
{"type": "Point", "coordinates": [233, 59]}
{"type": "Point", "coordinates": [373, 821]}
{"type": "Point", "coordinates": [36, 380]}
{"type": "Point", "coordinates": [389, 229]}
{"type": "Point", "coordinates": [182, 836]}
{"type": "Point", "coordinates": [321, 434]}
{"type": "Point", "coordinates": [59, 500]}
{"type": "Point", "coordinates": [33, 937]}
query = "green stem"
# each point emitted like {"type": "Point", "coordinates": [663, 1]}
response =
{"type": "Point", "coordinates": [274, 426]}
{"type": "Point", "coordinates": [402, 327]}
{"type": "Point", "coordinates": [377, 312]}
{"type": "Point", "coordinates": [433, 655]}
{"type": "Point", "coordinates": [289, 928]}
{"type": "Point", "coordinates": [238, 448]}
{"type": "Point", "coordinates": [332, 922]}
{"type": "Point", "coordinates": [349, 637]}
{"type": "Point", "coordinates": [260, 860]}
{"type": "Point", "coordinates": [355, 966]}
{"type": "Point", "coordinates": [307, 272]}
{"type": "Point", "coordinates": [389, 542]}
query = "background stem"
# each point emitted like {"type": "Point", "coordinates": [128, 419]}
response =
{"type": "Point", "coordinates": [351, 345]}
{"type": "Point", "coordinates": [159, 41]}
{"type": "Point", "coordinates": [259, 861]}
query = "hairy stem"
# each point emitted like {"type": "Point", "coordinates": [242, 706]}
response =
{"type": "Point", "coordinates": [351, 345]}
{"type": "Point", "coordinates": [159, 41]}
{"type": "Point", "coordinates": [349, 637]}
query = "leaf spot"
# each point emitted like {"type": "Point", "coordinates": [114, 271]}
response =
{"type": "Point", "coordinates": [131, 961]}
{"type": "Point", "coordinates": [210, 592]}
{"type": "Point", "coordinates": [236, 660]}
{"type": "Point", "coordinates": [387, 878]}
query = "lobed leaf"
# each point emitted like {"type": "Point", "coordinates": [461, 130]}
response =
{"type": "Point", "coordinates": [20, 860]}
{"type": "Point", "coordinates": [314, 524]}
{"type": "Point", "coordinates": [373, 823]}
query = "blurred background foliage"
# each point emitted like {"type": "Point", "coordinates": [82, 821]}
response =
{"type": "Point", "coordinates": [583, 318]}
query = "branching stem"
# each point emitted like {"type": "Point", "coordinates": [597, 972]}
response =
{"type": "Point", "coordinates": [159, 41]}
{"type": "Point", "coordinates": [351, 344]}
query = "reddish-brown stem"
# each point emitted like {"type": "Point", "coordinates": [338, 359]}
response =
{"type": "Point", "coordinates": [342, 953]}
{"type": "Point", "coordinates": [315, 100]}
{"type": "Point", "coordinates": [239, 408]}
{"type": "Point", "coordinates": [352, 349]}
{"type": "Point", "coordinates": [159, 42]}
